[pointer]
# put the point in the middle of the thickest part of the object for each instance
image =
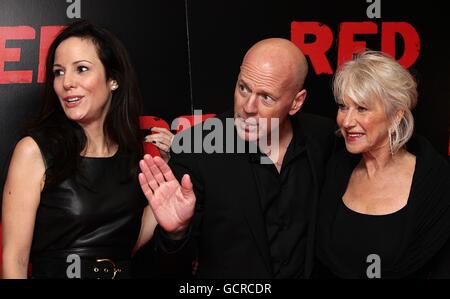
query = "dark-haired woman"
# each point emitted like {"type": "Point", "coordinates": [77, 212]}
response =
{"type": "Point", "coordinates": [72, 205]}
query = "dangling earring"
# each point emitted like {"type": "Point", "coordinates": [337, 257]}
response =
{"type": "Point", "coordinates": [394, 131]}
{"type": "Point", "coordinates": [390, 133]}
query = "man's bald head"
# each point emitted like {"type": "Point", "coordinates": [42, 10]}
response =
{"type": "Point", "coordinates": [269, 87]}
{"type": "Point", "coordinates": [281, 54]}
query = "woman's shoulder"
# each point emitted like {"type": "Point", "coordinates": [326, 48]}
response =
{"type": "Point", "coordinates": [27, 147]}
{"type": "Point", "coordinates": [422, 147]}
{"type": "Point", "coordinates": [429, 162]}
{"type": "Point", "coordinates": [41, 141]}
{"type": "Point", "coordinates": [27, 153]}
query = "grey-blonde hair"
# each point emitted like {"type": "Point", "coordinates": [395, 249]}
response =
{"type": "Point", "coordinates": [373, 75]}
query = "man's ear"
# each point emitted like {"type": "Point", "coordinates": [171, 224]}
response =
{"type": "Point", "coordinates": [298, 101]}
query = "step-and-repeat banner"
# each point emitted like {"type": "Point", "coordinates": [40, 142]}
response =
{"type": "Point", "coordinates": [187, 52]}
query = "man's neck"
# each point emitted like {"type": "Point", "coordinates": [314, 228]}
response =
{"type": "Point", "coordinates": [277, 151]}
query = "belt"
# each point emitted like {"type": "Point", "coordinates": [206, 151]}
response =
{"type": "Point", "coordinates": [84, 268]}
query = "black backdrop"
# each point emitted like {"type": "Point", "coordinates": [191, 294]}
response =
{"type": "Point", "coordinates": [187, 52]}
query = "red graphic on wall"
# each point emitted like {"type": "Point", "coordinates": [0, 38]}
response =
{"type": "Point", "coordinates": [7, 54]}
{"type": "Point", "coordinates": [13, 54]}
{"type": "Point", "coordinates": [347, 45]}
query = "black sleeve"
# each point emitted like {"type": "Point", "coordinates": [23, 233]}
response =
{"type": "Point", "coordinates": [441, 262]}
{"type": "Point", "coordinates": [168, 245]}
{"type": "Point", "coordinates": [172, 259]}
{"type": "Point", "coordinates": [176, 255]}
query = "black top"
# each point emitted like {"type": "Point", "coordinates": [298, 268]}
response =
{"type": "Point", "coordinates": [409, 242]}
{"type": "Point", "coordinates": [95, 214]}
{"type": "Point", "coordinates": [374, 234]}
{"type": "Point", "coordinates": [284, 204]}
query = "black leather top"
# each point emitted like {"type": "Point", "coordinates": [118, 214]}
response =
{"type": "Point", "coordinates": [94, 215]}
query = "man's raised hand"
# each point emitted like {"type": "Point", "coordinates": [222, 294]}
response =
{"type": "Point", "coordinates": [172, 204]}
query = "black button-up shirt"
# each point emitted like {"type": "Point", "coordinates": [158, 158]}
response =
{"type": "Point", "coordinates": [285, 198]}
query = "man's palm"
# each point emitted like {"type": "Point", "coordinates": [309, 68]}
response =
{"type": "Point", "coordinates": [172, 204]}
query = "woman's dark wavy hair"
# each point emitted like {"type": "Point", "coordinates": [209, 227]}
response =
{"type": "Point", "coordinates": [66, 139]}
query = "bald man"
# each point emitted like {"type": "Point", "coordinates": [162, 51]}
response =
{"type": "Point", "coordinates": [245, 218]}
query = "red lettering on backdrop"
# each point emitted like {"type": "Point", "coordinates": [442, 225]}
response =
{"type": "Point", "coordinates": [315, 50]}
{"type": "Point", "coordinates": [48, 34]}
{"type": "Point", "coordinates": [410, 38]}
{"type": "Point", "coordinates": [346, 43]}
{"type": "Point", "coordinates": [13, 54]}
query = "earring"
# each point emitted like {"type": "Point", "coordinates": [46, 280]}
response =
{"type": "Point", "coordinates": [114, 86]}
{"type": "Point", "coordinates": [391, 134]}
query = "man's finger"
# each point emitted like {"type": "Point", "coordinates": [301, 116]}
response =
{"type": "Point", "coordinates": [165, 169]}
{"type": "Point", "coordinates": [145, 187]}
{"type": "Point", "coordinates": [145, 168]}
{"type": "Point", "coordinates": [154, 168]}
{"type": "Point", "coordinates": [187, 189]}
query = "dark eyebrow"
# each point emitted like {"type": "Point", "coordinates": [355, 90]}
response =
{"type": "Point", "coordinates": [76, 62]}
